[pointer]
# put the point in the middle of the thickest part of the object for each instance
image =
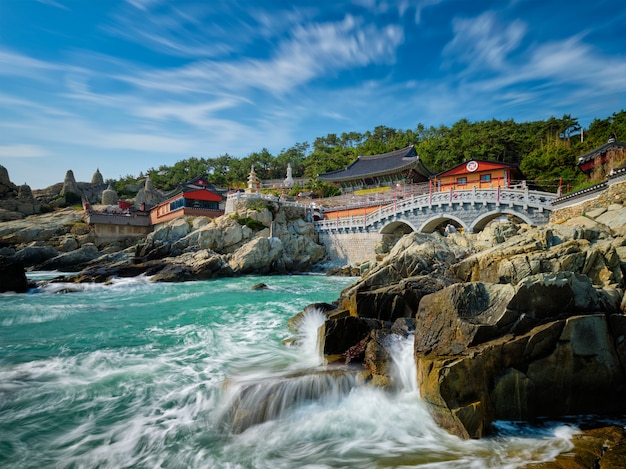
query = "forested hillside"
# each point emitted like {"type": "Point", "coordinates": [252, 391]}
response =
{"type": "Point", "coordinates": [546, 151]}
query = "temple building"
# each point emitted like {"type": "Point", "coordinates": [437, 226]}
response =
{"type": "Point", "coordinates": [612, 151]}
{"type": "Point", "coordinates": [479, 174]}
{"type": "Point", "coordinates": [196, 197]}
{"type": "Point", "coordinates": [386, 169]}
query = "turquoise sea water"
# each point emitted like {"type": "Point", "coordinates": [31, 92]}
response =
{"type": "Point", "coordinates": [136, 374]}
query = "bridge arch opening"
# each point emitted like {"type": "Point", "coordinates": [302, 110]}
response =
{"type": "Point", "coordinates": [397, 228]}
{"type": "Point", "coordinates": [500, 215]}
{"type": "Point", "coordinates": [439, 224]}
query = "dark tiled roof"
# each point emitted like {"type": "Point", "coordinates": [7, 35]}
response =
{"type": "Point", "coordinates": [378, 165]}
{"type": "Point", "coordinates": [193, 185]}
{"type": "Point", "coordinates": [600, 151]}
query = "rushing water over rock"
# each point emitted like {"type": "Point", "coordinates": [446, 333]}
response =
{"type": "Point", "coordinates": [138, 374]}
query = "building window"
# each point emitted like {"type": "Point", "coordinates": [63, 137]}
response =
{"type": "Point", "coordinates": [461, 181]}
{"type": "Point", "coordinates": [485, 178]}
{"type": "Point", "coordinates": [203, 204]}
{"type": "Point", "coordinates": [176, 204]}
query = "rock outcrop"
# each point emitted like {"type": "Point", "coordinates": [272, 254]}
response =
{"type": "Point", "coordinates": [514, 323]}
{"type": "Point", "coordinates": [260, 239]}
{"type": "Point", "coordinates": [15, 202]}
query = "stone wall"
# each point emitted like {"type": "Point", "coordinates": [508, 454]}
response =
{"type": "Point", "coordinates": [111, 233]}
{"type": "Point", "coordinates": [350, 248]}
{"type": "Point", "coordinates": [615, 194]}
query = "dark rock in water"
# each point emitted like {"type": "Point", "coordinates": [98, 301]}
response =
{"type": "Point", "coordinates": [12, 276]}
{"type": "Point", "coordinates": [344, 333]}
{"type": "Point", "coordinates": [403, 327]}
{"type": "Point", "coordinates": [259, 286]}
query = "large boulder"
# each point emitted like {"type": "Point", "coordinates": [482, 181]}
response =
{"type": "Point", "coordinates": [550, 346]}
{"type": "Point", "coordinates": [257, 256]}
{"type": "Point", "coordinates": [73, 260]}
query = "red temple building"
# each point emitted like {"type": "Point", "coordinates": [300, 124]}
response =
{"type": "Point", "coordinates": [478, 173]}
{"type": "Point", "coordinates": [196, 197]}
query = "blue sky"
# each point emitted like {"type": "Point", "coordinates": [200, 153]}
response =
{"type": "Point", "coordinates": [127, 85]}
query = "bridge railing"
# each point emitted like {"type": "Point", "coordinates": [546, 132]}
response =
{"type": "Point", "coordinates": [499, 196]}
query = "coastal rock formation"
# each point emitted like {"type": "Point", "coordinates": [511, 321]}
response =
{"type": "Point", "coordinates": [252, 240]}
{"type": "Point", "coordinates": [546, 347]}
{"type": "Point", "coordinates": [514, 323]}
{"type": "Point", "coordinates": [33, 240]}
{"type": "Point", "coordinates": [15, 202]}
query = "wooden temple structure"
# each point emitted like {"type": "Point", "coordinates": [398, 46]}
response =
{"type": "Point", "coordinates": [196, 197]}
{"type": "Point", "coordinates": [384, 170]}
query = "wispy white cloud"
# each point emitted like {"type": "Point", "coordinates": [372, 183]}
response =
{"type": "Point", "coordinates": [165, 28]}
{"type": "Point", "coordinates": [312, 51]}
{"type": "Point", "coordinates": [16, 64]}
{"type": "Point", "coordinates": [484, 42]}
{"type": "Point", "coordinates": [22, 151]}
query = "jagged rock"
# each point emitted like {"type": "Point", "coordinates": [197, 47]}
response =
{"type": "Point", "coordinates": [256, 401]}
{"type": "Point", "coordinates": [294, 322]}
{"type": "Point", "coordinates": [546, 249]}
{"type": "Point", "coordinates": [15, 202]}
{"type": "Point", "coordinates": [343, 333]}
{"type": "Point", "coordinates": [170, 232]}
{"type": "Point", "coordinates": [542, 348]}
{"type": "Point", "coordinates": [41, 228]}
{"type": "Point", "coordinates": [596, 448]}
{"type": "Point", "coordinates": [400, 300]}
{"type": "Point", "coordinates": [414, 255]}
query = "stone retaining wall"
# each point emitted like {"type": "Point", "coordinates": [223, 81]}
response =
{"type": "Point", "coordinates": [615, 194]}
{"type": "Point", "coordinates": [350, 248]}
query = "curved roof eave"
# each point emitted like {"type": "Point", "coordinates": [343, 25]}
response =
{"type": "Point", "coordinates": [599, 151]}
{"type": "Point", "coordinates": [378, 165]}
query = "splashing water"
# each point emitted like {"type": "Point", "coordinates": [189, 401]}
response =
{"type": "Point", "coordinates": [136, 374]}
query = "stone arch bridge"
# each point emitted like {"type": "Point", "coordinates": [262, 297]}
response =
{"type": "Point", "coordinates": [352, 240]}
{"type": "Point", "coordinates": [468, 209]}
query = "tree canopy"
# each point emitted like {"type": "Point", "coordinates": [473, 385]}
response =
{"type": "Point", "coordinates": [546, 151]}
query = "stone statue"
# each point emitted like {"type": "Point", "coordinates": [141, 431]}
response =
{"type": "Point", "coordinates": [289, 179]}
